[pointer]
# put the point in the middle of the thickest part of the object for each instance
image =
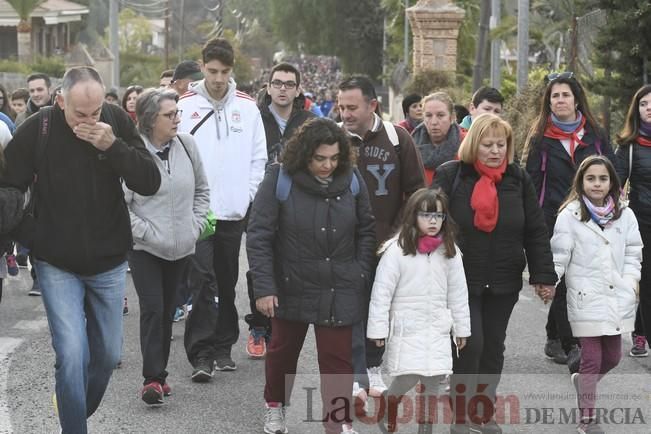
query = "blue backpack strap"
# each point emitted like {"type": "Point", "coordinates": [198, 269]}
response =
{"type": "Point", "coordinates": [283, 184]}
{"type": "Point", "coordinates": [354, 184]}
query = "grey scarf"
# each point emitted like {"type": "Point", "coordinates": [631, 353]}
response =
{"type": "Point", "coordinates": [433, 156]}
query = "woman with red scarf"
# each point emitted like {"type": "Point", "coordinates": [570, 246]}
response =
{"type": "Point", "coordinates": [563, 135]}
{"type": "Point", "coordinates": [634, 164]}
{"type": "Point", "coordinates": [501, 228]}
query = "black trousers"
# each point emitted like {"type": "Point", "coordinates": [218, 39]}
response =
{"type": "Point", "coordinates": [202, 336]}
{"type": "Point", "coordinates": [156, 281]}
{"type": "Point", "coordinates": [558, 325]}
{"type": "Point", "coordinates": [201, 323]}
{"type": "Point", "coordinates": [478, 369]}
{"type": "Point", "coordinates": [645, 283]}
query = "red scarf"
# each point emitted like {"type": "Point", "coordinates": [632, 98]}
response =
{"type": "Point", "coordinates": [427, 244]}
{"type": "Point", "coordinates": [553, 132]}
{"type": "Point", "coordinates": [484, 196]}
{"type": "Point", "coordinates": [644, 141]}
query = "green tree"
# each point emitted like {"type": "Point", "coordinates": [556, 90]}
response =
{"type": "Point", "coordinates": [24, 9]}
{"type": "Point", "coordinates": [351, 30]}
{"type": "Point", "coordinates": [623, 47]}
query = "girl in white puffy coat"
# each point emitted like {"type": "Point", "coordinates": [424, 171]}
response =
{"type": "Point", "coordinates": [419, 298]}
{"type": "Point", "coordinates": [597, 246]}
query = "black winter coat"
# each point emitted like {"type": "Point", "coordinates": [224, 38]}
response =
{"type": "Point", "coordinates": [560, 169]}
{"type": "Point", "coordinates": [640, 193]}
{"type": "Point", "coordinates": [275, 140]}
{"type": "Point", "coordinates": [82, 222]}
{"type": "Point", "coordinates": [315, 250]}
{"type": "Point", "coordinates": [494, 261]}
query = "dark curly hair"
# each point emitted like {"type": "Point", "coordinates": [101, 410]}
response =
{"type": "Point", "coordinates": [300, 148]}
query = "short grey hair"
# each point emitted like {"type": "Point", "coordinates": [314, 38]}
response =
{"type": "Point", "coordinates": [79, 74]}
{"type": "Point", "coordinates": [148, 106]}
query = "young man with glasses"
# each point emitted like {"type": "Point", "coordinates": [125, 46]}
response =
{"type": "Point", "coordinates": [282, 107]}
{"type": "Point", "coordinates": [227, 127]}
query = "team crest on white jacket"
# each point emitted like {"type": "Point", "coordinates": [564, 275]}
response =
{"type": "Point", "coordinates": [235, 117]}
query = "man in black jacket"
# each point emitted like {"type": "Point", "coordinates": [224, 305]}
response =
{"type": "Point", "coordinates": [281, 106]}
{"type": "Point", "coordinates": [82, 231]}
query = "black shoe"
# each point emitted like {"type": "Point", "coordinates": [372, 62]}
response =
{"type": "Point", "coordinates": [203, 370]}
{"type": "Point", "coordinates": [36, 289]}
{"type": "Point", "coordinates": [554, 350]}
{"type": "Point", "coordinates": [225, 363]}
{"type": "Point", "coordinates": [21, 260]}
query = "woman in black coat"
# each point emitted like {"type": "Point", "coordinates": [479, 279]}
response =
{"type": "Point", "coordinates": [501, 228]}
{"type": "Point", "coordinates": [563, 135]}
{"type": "Point", "coordinates": [634, 164]}
{"type": "Point", "coordinates": [310, 244]}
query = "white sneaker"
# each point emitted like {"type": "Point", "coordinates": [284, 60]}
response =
{"type": "Point", "coordinates": [360, 393]}
{"type": "Point", "coordinates": [274, 419]}
{"type": "Point", "coordinates": [376, 383]}
{"type": "Point", "coordinates": [348, 429]}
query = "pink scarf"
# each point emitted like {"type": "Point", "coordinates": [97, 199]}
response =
{"type": "Point", "coordinates": [427, 244]}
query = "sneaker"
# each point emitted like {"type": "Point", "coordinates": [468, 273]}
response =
{"type": "Point", "coordinates": [12, 266]}
{"type": "Point", "coordinates": [167, 390]}
{"type": "Point", "coordinates": [179, 314]}
{"type": "Point", "coordinates": [589, 427]}
{"type": "Point", "coordinates": [554, 351]}
{"type": "Point", "coordinates": [274, 418]}
{"type": "Point", "coordinates": [21, 260]}
{"type": "Point", "coordinates": [348, 429]}
{"type": "Point", "coordinates": [360, 398]}
{"type": "Point", "coordinates": [490, 427]}
{"type": "Point", "coordinates": [376, 383]}
{"type": "Point", "coordinates": [152, 393]}
{"type": "Point", "coordinates": [36, 289]}
{"type": "Point", "coordinates": [203, 370]}
{"type": "Point", "coordinates": [638, 349]}
{"type": "Point", "coordinates": [125, 308]}
{"type": "Point", "coordinates": [256, 346]}
{"type": "Point", "coordinates": [225, 363]}
{"type": "Point", "coordinates": [574, 378]}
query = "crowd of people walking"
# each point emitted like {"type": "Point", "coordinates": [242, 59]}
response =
{"type": "Point", "coordinates": [406, 239]}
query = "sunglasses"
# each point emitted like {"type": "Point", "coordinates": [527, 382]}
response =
{"type": "Point", "coordinates": [429, 216]}
{"type": "Point", "coordinates": [559, 76]}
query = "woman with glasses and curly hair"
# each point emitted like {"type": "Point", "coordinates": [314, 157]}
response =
{"type": "Point", "coordinates": [129, 100]}
{"type": "Point", "coordinates": [634, 165]}
{"type": "Point", "coordinates": [165, 228]}
{"type": "Point", "coordinates": [563, 135]}
{"type": "Point", "coordinates": [311, 243]}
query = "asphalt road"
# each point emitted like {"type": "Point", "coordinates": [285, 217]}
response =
{"type": "Point", "coordinates": [537, 392]}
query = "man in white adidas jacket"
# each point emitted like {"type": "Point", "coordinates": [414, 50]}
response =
{"type": "Point", "coordinates": [227, 127]}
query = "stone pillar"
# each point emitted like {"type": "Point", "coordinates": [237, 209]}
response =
{"type": "Point", "coordinates": [435, 27]}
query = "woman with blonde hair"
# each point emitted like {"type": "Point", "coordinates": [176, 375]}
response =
{"type": "Point", "coordinates": [501, 228]}
{"type": "Point", "coordinates": [438, 136]}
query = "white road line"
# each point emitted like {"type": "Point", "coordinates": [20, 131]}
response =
{"type": "Point", "coordinates": [7, 346]}
{"type": "Point", "coordinates": [34, 326]}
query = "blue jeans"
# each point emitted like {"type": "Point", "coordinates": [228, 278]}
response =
{"type": "Point", "coordinates": [85, 318]}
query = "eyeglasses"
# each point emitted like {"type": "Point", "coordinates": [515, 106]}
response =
{"type": "Point", "coordinates": [172, 115]}
{"type": "Point", "coordinates": [277, 84]}
{"type": "Point", "coordinates": [559, 76]}
{"type": "Point", "coordinates": [429, 216]}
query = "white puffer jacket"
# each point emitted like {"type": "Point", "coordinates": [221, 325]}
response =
{"type": "Point", "coordinates": [601, 268]}
{"type": "Point", "coordinates": [416, 302]}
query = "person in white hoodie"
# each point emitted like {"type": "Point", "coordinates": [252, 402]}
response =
{"type": "Point", "coordinates": [165, 228]}
{"type": "Point", "coordinates": [419, 298]}
{"type": "Point", "coordinates": [228, 129]}
{"type": "Point", "coordinates": [598, 247]}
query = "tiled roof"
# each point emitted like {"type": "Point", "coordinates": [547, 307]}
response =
{"type": "Point", "coordinates": [46, 8]}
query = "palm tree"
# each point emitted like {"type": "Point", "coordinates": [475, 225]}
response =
{"type": "Point", "coordinates": [24, 9]}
